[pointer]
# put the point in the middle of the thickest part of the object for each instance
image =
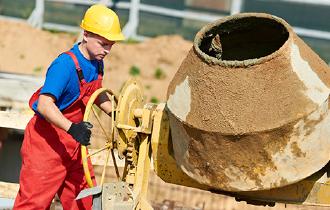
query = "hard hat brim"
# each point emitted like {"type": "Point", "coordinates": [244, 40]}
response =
{"type": "Point", "coordinates": [111, 37]}
{"type": "Point", "coordinates": [114, 37]}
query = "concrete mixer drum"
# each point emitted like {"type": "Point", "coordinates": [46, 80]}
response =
{"type": "Point", "coordinates": [248, 107]}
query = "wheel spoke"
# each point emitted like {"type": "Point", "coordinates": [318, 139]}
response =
{"type": "Point", "coordinates": [99, 121]}
{"type": "Point", "coordinates": [125, 171]}
{"type": "Point", "coordinates": [115, 164]}
{"type": "Point", "coordinates": [107, 146]}
{"type": "Point", "coordinates": [105, 166]}
{"type": "Point", "coordinates": [112, 116]}
{"type": "Point", "coordinates": [113, 133]}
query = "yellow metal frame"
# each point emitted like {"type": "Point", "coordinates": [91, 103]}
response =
{"type": "Point", "coordinates": [164, 163]}
{"type": "Point", "coordinates": [130, 98]}
{"type": "Point", "coordinates": [141, 181]}
{"type": "Point", "coordinates": [314, 190]}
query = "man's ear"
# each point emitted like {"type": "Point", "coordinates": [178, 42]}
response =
{"type": "Point", "coordinates": [85, 36]}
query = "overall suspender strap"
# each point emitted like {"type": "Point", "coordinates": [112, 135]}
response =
{"type": "Point", "coordinates": [76, 63]}
{"type": "Point", "coordinates": [100, 70]}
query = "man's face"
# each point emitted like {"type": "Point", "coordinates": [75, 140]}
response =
{"type": "Point", "coordinates": [97, 46]}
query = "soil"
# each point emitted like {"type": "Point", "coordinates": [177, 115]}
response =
{"type": "Point", "coordinates": [27, 50]}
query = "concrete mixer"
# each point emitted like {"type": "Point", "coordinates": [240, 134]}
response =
{"type": "Point", "coordinates": [246, 116]}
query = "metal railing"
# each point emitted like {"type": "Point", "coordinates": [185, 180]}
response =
{"type": "Point", "coordinates": [135, 7]}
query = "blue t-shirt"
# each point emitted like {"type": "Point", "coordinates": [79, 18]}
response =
{"type": "Point", "coordinates": [62, 80]}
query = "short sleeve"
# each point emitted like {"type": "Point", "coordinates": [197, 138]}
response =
{"type": "Point", "coordinates": [57, 77]}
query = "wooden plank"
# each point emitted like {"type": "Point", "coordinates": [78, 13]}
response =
{"type": "Point", "coordinates": [16, 120]}
{"type": "Point", "coordinates": [17, 87]}
{"type": "Point", "coordinates": [8, 190]}
{"type": "Point", "coordinates": [15, 91]}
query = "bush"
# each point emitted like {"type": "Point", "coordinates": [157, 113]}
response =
{"type": "Point", "coordinates": [37, 69]}
{"type": "Point", "coordinates": [159, 74]}
{"type": "Point", "coordinates": [134, 71]}
{"type": "Point", "coordinates": [131, 41]}
{"type": "Point", "coordinates": [154, 100]}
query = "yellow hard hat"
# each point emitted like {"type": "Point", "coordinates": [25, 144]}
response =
{"type": "Point", "coordinates": [101, 20]}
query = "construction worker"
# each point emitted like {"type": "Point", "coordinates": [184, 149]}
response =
{"type": "Point", "coordinates": [51, 159]}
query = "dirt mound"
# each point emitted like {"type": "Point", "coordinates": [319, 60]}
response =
{"type": "Point", "coordinates": [156, 58]}
{"type": "Point", "coordinates": [27, 50]}
{"type": "Point", "coordinates": [24, 49]}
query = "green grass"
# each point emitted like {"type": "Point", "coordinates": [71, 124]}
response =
{"type": "Point", "coordinates": [37, 69]}
{"type": "Point", "coordinates": [131, 41]}
{"type": "Point", "coordinates": [134, 71]}
{"type": "Point", "coordinates": [154, 100]}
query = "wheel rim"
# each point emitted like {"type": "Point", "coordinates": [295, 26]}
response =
{"type": "Point", "coordinates": [109, 143]}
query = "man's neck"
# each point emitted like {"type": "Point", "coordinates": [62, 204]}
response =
{"type": "Point", "coordinates": [83, 50]}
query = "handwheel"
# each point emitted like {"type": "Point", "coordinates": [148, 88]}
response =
{"type": "Point", "coordinates": [106, 133]}
{"type": "Point", "coordinates": [132, 142]}
{"type": "Point", "coordinates": [127, 141]}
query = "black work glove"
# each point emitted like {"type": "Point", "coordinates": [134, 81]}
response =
{"type": "Point", "coordinates": [81, 132]}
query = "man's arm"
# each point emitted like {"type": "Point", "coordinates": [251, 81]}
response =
{"type": "Point", "coordinates": [79, 131]}
{"type": "Point", "coordinates": [104, 103]}
{"type": "Point", "coordinates": [48, 109]}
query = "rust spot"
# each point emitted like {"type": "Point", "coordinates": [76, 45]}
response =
{"type": "Point", "coordinates": [309, 125]}
{"type": "Point", "coordinates": [296, 150]}
{"type": "Point", "coordinates": [212, 153]}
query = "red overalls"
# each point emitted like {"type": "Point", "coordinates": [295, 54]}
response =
{"type": "Point", "coordinates": [51, 158]}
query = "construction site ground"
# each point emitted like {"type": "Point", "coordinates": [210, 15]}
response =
{"type": "Point", "coordinates": [27, 50]}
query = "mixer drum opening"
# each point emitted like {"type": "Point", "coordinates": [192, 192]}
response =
{"type": "Point", "coordinates": [244, 38]}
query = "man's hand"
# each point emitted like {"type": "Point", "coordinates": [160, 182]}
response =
{"type": "Point", "coordinates": [81, 132]}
